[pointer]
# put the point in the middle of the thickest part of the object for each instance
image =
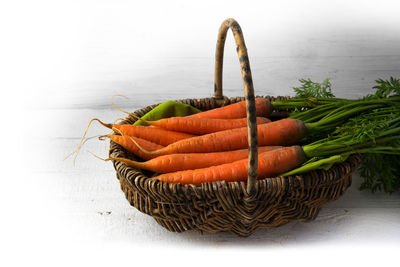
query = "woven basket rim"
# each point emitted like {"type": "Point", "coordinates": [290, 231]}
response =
{"type": "Point", "coordinates": [288, 181]}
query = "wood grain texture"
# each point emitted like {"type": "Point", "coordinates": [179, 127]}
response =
{"type": "Point", "coordinates": [175, 78]}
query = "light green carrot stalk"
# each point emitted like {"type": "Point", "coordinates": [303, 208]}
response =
{"type": "Point", "coordinates": [366, 134]}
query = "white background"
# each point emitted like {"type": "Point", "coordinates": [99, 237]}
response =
{"type": "Point", "coordinates": [61, 61]}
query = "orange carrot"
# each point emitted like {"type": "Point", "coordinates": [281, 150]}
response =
{"type": "Point", "coordinates": [236, 111]}
{"type": "Point", "coordinates": [190, 161]}
{"type": "Point", "coordinates": [153, 134]}
{"type": "Point", "coordinates": [270, 164]}
{"type": "Point", "coordinates": [128, 144]}
{"type": "Point", "coordinates": [200, 126]}
{"type": "Point", "coordinates": [281, 132]}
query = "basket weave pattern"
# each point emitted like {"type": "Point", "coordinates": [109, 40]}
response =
{"type": "Point", "coordinates": [227, 207]}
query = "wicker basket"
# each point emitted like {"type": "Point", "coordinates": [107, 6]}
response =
{"type": "Point", "coordinates": [237, 207]}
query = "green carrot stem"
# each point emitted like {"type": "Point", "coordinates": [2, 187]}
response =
{"type": "Point", "coordinates": [380, 150]}
{"type": "Point", "coordinates": [346, 144]}
{"type": "Point", "coordinates": [394, 121]}
{"type": "Point", "coordinates": [315, 117]}
{"type": "Point", "coordinates": [309, 102]}
{"type": "Point", "coordinates": [326, 163]}
{"type": "Point", "coordinates": [317, 109]}
{"type": "Point", "coordinates": [343, 115]}
{"type": "Point", "coordinates": [313, 114]}
{"type": "Point", "coordinates": [364, 106]}
{"type": "Point", "coordinates": [391, 131]}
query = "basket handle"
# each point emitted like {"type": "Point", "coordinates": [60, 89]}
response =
{"type": "Point", "coordinates": [248, 91]}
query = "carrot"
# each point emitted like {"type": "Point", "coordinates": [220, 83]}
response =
{"type": "Point", "coordinates": [190, 161]}
{"type": "Point", "coordinates": [233, 111]}
{"type": "Point", "coordinates": [270, 164]}
{"type": "Point", "coordinates": [281, 132]}
{"type": "Point", "coordinates": [128, 144]}
{"type": "Point", "coordinates": [219, 119]}
{"type": "Point", "coordinates": [200, 126]}
{"type": "Point", "coordinates": [236, 111]}
{"type": "Point", "coordinates": [153, 134]}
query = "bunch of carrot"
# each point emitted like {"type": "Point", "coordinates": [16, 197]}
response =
{"type": "Point", "coordinates": [220, 153]}
{"type": "Point", "coordinates": [213, 145]}
{"type": "Point", "coordinates": [209, 146]}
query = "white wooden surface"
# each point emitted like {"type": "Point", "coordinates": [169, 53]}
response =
{"type": "Point", "coordinates": [80, 54]}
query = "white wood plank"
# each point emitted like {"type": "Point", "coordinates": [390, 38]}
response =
{"type": "Point", "coordinates": [94, 201]}
{"type": "Point", "coordinates": [178, 78]}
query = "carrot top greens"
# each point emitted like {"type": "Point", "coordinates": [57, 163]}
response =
{"type": "Point", "coordinates": [309, 88]}
{"type": "Point", "coordinates": [341, 127]}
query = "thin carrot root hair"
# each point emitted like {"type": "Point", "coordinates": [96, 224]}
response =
{"type": "Point", "coordinates": [108, 159]}
{"type": "Point", "coordinates": [137, 117]}
{"type": "Point", "coordinates": [118, 131]}
{"type": "Point", "coordinates": [84, 135]}
{"type": "Point", "coordinates": [115, 106]}
{"type": "Point", "coordinates": [126, 112]}
{"type": "Point", "coordinates": [123, 160]}
{"type": "Point", "coordinates": [121, 119]}
{"type": "Point", "coordinates": [83, 141]}
{"type": "Point", "coordinates": [145, 121]}
{"type": "Point", "coordinates": [103, 159]}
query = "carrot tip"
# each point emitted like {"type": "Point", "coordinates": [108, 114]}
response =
{"type": "Point", "coordinates": [112, 103]}
{"type": "Point", "coordinates": [84, 140]}
{"type": "Point", "coordinates": [106, 159]}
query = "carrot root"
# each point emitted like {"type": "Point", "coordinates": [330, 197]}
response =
{"type": "Point", "coordinates": [83, 141]}
{"type": "Point", "coordinates": [115, 106]}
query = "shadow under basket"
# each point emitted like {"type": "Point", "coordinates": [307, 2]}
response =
{"type": "Point", "coordinates": [227, 207]}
